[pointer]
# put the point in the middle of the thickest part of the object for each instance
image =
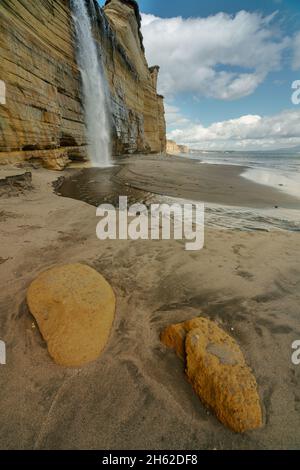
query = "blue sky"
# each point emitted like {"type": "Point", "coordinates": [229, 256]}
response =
{"type": "Point", "coordinates": [274, 93]}
{"type": "Point", "coordinates": [219, 64]}
{"type": "Point", "coordinates": [188, 8]}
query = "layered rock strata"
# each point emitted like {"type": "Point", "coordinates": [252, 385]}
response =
{"type": "Point", "coordinates": [174, 149]}
{"type": "Point", "coordinates": [41, 109]}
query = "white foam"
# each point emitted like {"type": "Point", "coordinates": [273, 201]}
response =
{"type": "Point", "coordinates": [286, 182]}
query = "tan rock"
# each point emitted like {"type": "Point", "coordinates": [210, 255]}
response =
{"type": "Point", "coordinates": [174, 336]}
{"type": "Point", "coordinates": [217, 370]}
{"type": "Point", "coordinates": [174, 149]}
{"type": "Point", "coordinates": [135, 86]}
{"type": "Point", "coordinates": [56, 159]}
{"type": "Point", "coordinates": [74, 307]}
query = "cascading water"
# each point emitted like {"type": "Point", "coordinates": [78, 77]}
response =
{"type": "Point", "coordinates": [94, 84]}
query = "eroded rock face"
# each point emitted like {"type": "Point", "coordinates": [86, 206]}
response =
{"type": "Point", "coordinates": [174, 149]}
{"type": "Point", "coordinates": [147, 128]}
{"type": "Point", "coordinates": [40, 86]}
{"type": "Point", "coordinates": [217, 370]}
{"type": "Point", "coordinates": [74, 307]}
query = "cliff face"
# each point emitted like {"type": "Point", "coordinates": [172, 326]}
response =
{"type": "Point", "coordinates": [175, 149]}
{"type": "Point", "coordinates": [41, 112]}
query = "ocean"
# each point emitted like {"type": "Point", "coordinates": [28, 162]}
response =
{"type": "Point", "coordinates": [280, 170]}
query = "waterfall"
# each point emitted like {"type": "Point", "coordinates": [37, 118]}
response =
{"type": "Point", "coordinates": [96, 110]}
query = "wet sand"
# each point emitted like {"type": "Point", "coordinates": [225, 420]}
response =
{"type": "Point", "coordinates": [140, 176]}
{"type": "Point", "coordinates": [135, 396]}
{"type": "Point", "coordinates": [187, 179]}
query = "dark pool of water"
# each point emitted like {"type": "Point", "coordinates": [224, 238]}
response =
{"type": "Point", "coordinates": [97, 186]}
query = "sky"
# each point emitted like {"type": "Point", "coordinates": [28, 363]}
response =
{"type": "Point", "coordinates": [226, 70]}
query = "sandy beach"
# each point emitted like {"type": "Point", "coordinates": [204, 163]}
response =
{"type": "Point", "coordinates": [136, 394]}
{"type": "Point", "coordinates": [179, 178]}
{"type": "Point", "coordinates": [149, 230]}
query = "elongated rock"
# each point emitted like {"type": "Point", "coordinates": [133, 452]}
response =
{"type": "Point", "coordinates": [217, 370]}
{"type": "Point", "coordinates": [41, 112]}
{"type": "Point", "coordinates": [174, 336]}
{"type": "Point", "coordinates": [74, 307]}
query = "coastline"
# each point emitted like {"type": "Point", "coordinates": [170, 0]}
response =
{"type": "Point", "coordinates": [286, 183]}
{"type": "Point", "coordinates": [137, 384]}
{"type": "Point", "coordinates": [230, 200]}
{"type": "Point", "coordinates": [217, 184]}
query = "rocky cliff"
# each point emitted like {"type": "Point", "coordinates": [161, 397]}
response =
{"type": "Point", "coordinates": [174, 149]}
{"type": "Point", "coordinates": [41, 112]}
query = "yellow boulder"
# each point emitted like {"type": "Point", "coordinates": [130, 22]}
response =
{"type": "Point", "coordinates": [217, 370]}
{"type": "Point", "coordinates": [174, 336]}
{"type": "Point", "coordinates": [74, 307]}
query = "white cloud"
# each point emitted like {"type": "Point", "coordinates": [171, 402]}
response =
{"type": "Point", "coordinates": [247, 132]}
{"type": "Point", "coordinates": [174, 117]}
{"type": "Point", "coordinates": [221, 56]}
{"type": "Point", "coordinates": [296, 61]}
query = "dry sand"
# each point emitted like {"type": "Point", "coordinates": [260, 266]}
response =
{"type": "Point", "coordinates": [136, 395]}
